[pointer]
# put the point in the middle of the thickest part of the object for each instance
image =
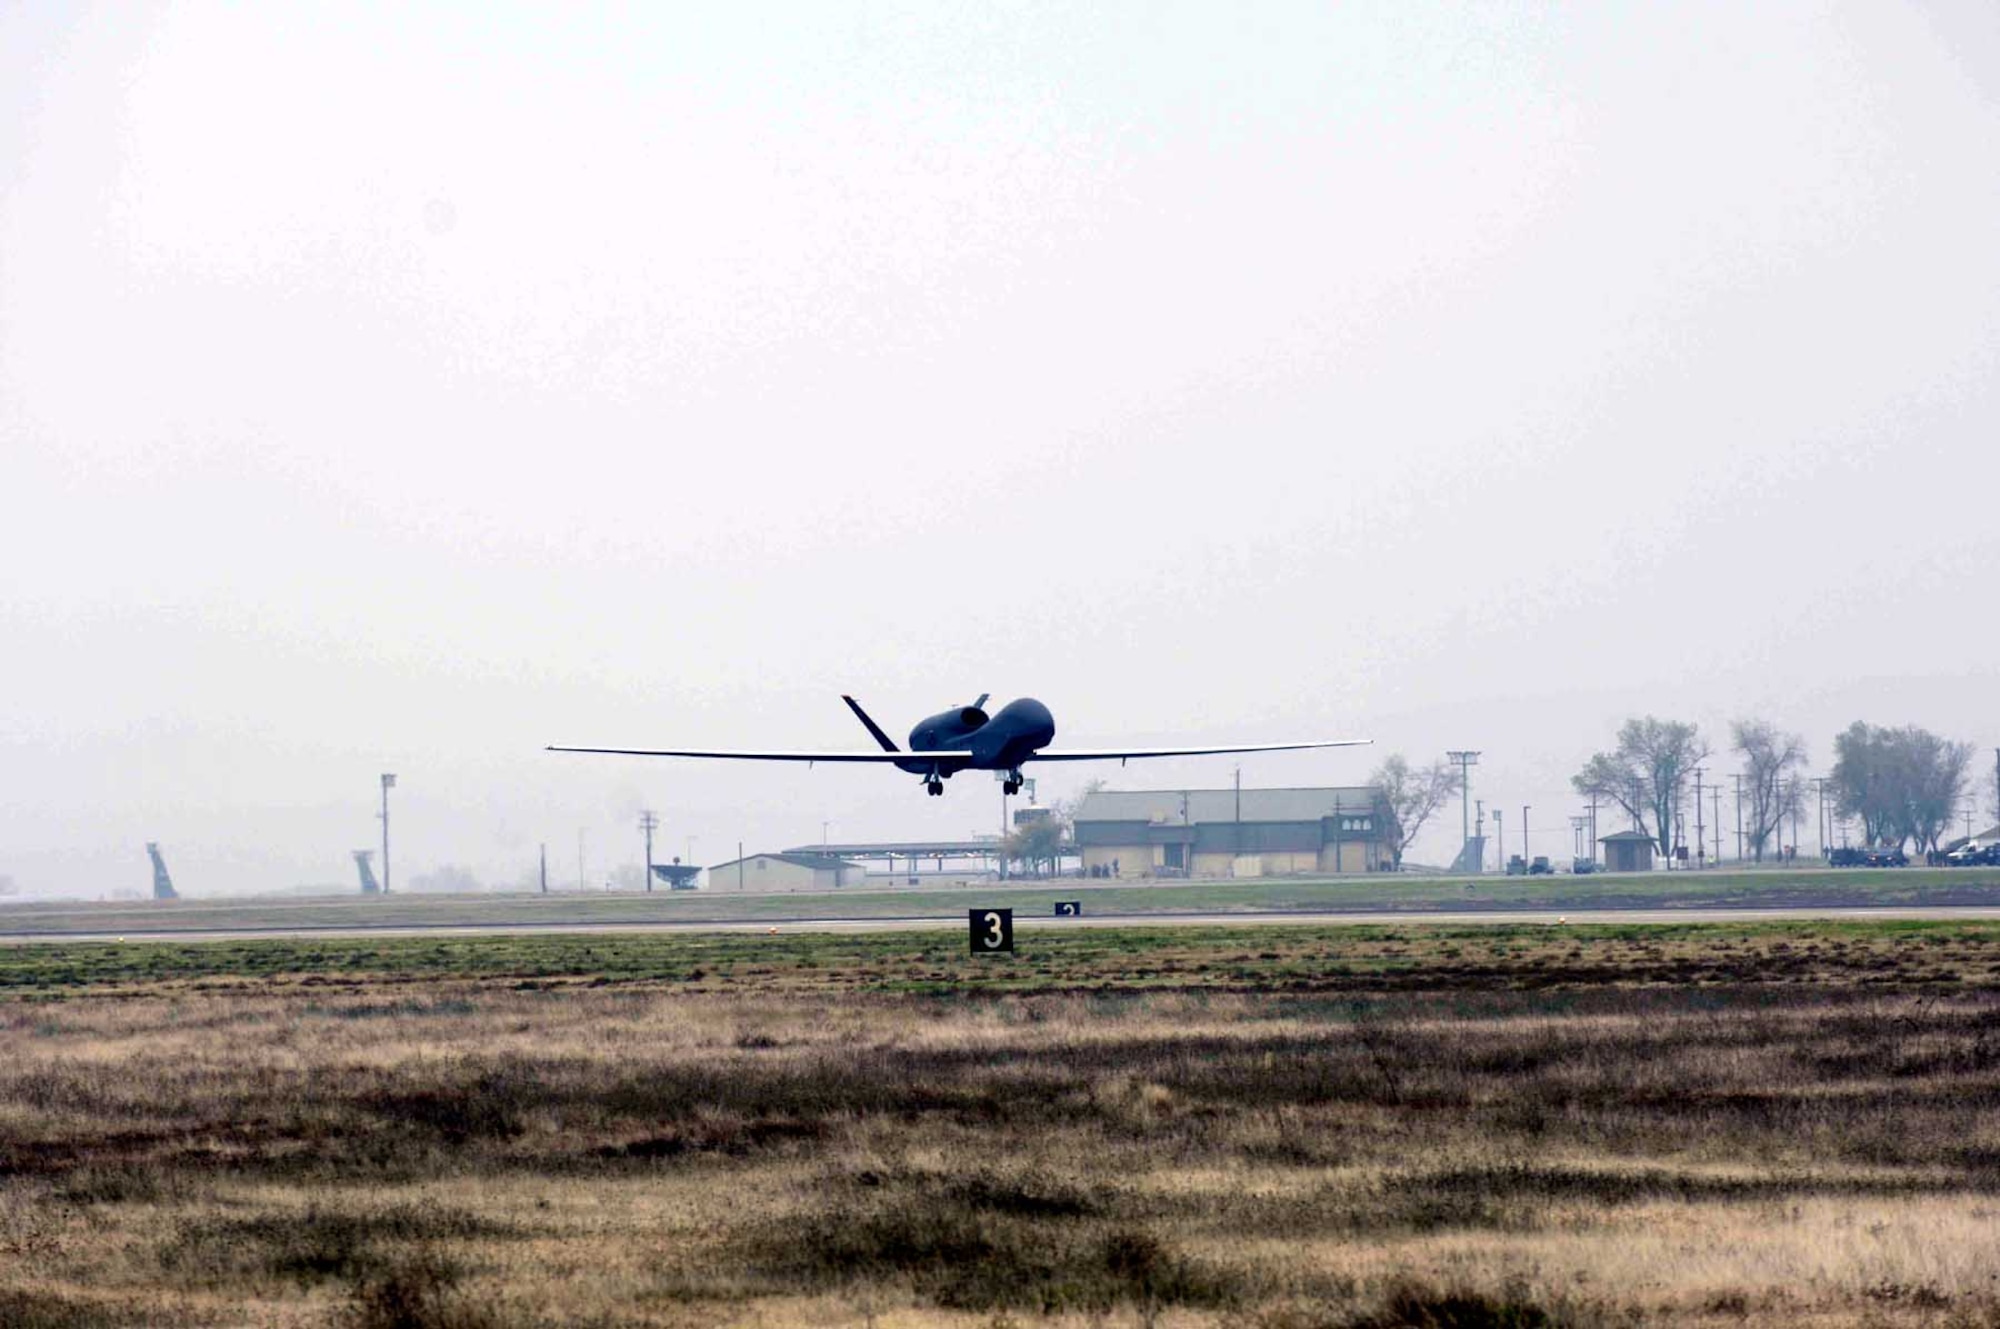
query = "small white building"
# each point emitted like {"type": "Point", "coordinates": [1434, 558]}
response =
{"type": "Point", "coordinates": [788, 871]}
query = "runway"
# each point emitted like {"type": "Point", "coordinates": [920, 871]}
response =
{"type": "Point", "coordinates": [1039, 923]}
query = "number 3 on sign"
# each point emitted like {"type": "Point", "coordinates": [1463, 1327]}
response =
{"type": "Point", "coordinates": [992, 930]}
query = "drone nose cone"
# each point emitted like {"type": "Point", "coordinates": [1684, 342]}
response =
{"type": "Point", "coordinates": [1030, 711]}
{"type": "Point", "coordinates": [1032, 721]}
{"type": "Point", "coordinates": [1021, 729]}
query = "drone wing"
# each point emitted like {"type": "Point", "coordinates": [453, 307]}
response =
{"type": "Point", "coordinates": [742, 754]}
{"type": "Point", "coordinates": [1133, 754]}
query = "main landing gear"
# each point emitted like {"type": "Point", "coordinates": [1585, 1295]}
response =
{"type": "Point", "coordinates": [934, 786]}
{"type": "Point", "coordinates": [1012, 785]}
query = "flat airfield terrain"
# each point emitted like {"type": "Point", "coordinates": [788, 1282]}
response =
{"type": "Point", "coordinates": [1406, 1124]}
{"type": "Point", "coordinates": [1815, 889]}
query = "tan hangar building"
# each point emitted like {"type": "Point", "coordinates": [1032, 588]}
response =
{"type": "Point", "coordinates": [789, 871]}
{"type": "Point", "coordinates": [1232, 833]}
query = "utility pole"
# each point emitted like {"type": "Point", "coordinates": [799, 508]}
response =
{"type": "Point", "coordinates": [388, 783]}
{"type": "Point", "coordinates": [1820, 823]}
{"type": "Point", "coordinates": [1737, 777]}
{"type": "Point", "coordinates": [1715, 801]}
{"type": "Point", "coordinates": [1524, 832]}
{"type": "Point", "coordinates": [1499, 843]}
{"type": "Point", "coordinates": [1466, 761]}
{"type": "Point", "coordinates": [739, 865]}
{"type": "Point", "coordinates": [1479, 824]}
{"type": "Point", "coordinates": [1593, 828]}
{"type": "Point", "coordinates": [1576, 825]}
{"type": "Point", "coordinates": [1700, 832]}
{"type": "Point", "coordinates": [649, 823]}
{"type": "Point", "coordinates": [545, 868]}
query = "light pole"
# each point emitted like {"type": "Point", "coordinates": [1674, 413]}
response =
{"type": "Point", "coordinates": [1499, 843]}
{"type": "Point", "coordinates": [1466, 761]}
{"type": "Point", "coordinates": [388, 783]}
{"type": "Point", "coordinates": [1524, 834]}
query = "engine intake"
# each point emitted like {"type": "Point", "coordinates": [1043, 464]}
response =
{"type": "Point", "coordinates": [948, 729]}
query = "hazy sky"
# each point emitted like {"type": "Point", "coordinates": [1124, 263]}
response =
{"type": "Point", "coordinates": [405, 388]}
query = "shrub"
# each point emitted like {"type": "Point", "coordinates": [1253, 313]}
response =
{"type": "Point", "coordinates": [45, 1310]}
{"type": "Point", "coordinates": [417, 1291]}
{"type": "Point", "coordinates": [315, 1246]}
{"type": "Point", "coordinates": [981, 1243]}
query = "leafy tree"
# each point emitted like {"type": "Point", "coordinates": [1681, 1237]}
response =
{"type": "Point", "coordinates": [1036, 843]}
{"type": "Point", "coordinates": [1408, 796]}
{"type": "Point", "coordinates": [1644, 774]}
{"type": "Point", "coordinates": [1904, 784]}
{"type": "Point", "coordinates": [1772, 760]}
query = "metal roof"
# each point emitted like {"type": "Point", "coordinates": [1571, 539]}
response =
{"type": "Point", "coordinates": [1174, 806]}
{"type": "Point", "coordinates": [905, 849]}
{"type": "Point", "coordinates": [1625, 837]}
{"type": "Point", "coordinates": [817, 862]}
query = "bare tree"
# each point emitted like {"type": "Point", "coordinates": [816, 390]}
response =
{"type": "Point", "coordinates": [1996, 785]}
{"type": "Point", "coordinates": [1941, 767]}
{"type": "Point", "coordinates": [1772, 760]}
{"type": "Point", "coordinates": [1065, 809]}
{"type": "Point", "coordinates": [1904, 784]}
{"type": "Point", "coordinates": [1644, 774]}
{"type": "Point", "coordinates": [1408, 796]}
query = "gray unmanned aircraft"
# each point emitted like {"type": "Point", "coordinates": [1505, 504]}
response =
{"type": "Point", "coordinates": [966, 738]}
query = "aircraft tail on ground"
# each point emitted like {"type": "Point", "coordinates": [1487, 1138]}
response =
{"type": "Point", "coordinates": [163, 885]}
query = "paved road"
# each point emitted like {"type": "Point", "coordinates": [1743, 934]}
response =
{"type": "Point", "coordinates": [1023, 922]}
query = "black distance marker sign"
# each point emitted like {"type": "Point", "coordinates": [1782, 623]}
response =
{"type": "Point", "coordinates": [992, 930]}
{"type": "Point", "coordinates": [1069, 908]}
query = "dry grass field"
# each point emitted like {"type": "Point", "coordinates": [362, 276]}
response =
{"type": "Point", "coordinates": [1255, 1128]}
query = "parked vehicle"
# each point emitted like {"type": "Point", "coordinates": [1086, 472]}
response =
{"type": "Point", "coordinates": [1540, 867]}
{"type": "Point", "coordinates": [1581, 866]}
{"type": "Point", "coordinates": [1862, 857]}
